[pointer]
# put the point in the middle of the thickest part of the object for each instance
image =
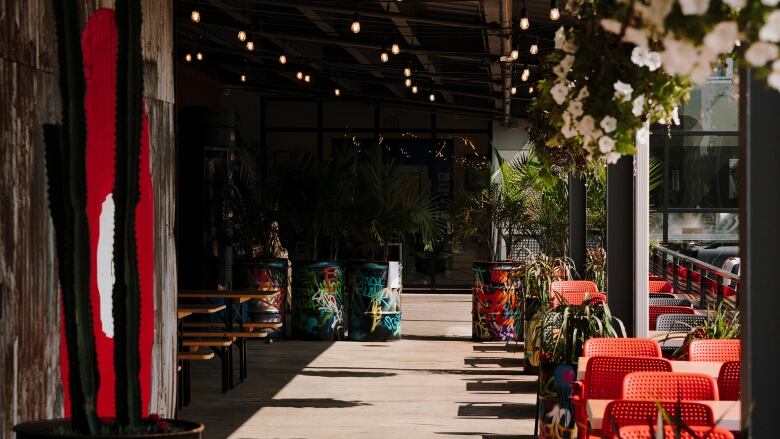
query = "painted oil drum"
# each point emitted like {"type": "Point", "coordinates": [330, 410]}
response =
{"type": "Point", "coordinates": [269, 276]}
{"type": "Point", "coordinates": [495, 301]}
{"type": "Point", "coordinates": [375, 301]}
{"type": "Point", "coordinates": [317, 300]}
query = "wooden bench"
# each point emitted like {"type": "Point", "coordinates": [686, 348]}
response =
{"type": "Point", "coordinates": [195, 356]}
{"type": "Point", "coordinates": [247, 325]}
{"type": "Point", "coordinates": [222, 347]}
{"type": "Point", "coordinates": [184, 373]}
{"type": "Point", "coordinates": [226, 334]}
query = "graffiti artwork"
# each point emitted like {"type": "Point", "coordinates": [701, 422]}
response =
{"type": "Point", "coordinates": [269, 276]}
{"type": "Point", "coordinates": [495, 302]}
{"type": "Point", "coordinates": [318, 300]}
{"type": "Point", "coordinates": [556, 410]}
{"type": "Point", "coordinates": [375, 302]}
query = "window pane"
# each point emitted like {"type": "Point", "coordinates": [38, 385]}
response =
{"type": "Point", "coordinates": [688, 227]}
{"type": "Point", "coordinates": [703, 172]}
{"type": "Point", "coordinates": [713, 106]}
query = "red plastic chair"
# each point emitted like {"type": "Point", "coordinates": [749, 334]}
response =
{"type": "Point", "coordinates": [659, 286]}
{"type": "Point", "coordinates": [621, 347]}
{"type": "Point", "coordinates": [576, 298]}
{"type": "Point", "coordinates": [573, 286]}
{"type": "Point", "coordinates": [622, 413]}
{"type": "Point", "coordinates": [671, 386]}
{"type": "Point", "coordinates": [643, 432]}
{"type": "Point", "coordinates": [714, 350]}
{"type": "Point", "coordinates": [604, 380]}
{"type": "Point", "coordinates": [652, 276]}
{"type": "Point", "coordinates": [728, 381]}
{"type": "Point", "coordinates": [657, 310]}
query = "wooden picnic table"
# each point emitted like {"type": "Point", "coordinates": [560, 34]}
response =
{"type": "Point", "coordinates": [727, 414]}
{"type": "Point", "coordinates": [711, 368]}
{"type": "Point", "coordinates": [201, 308]}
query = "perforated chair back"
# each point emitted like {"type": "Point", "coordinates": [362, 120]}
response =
{"type": "Point", "coordinates": [714, 350]}
{"type": "Point", "coordinates": [669, 301]}
{"type": "Point", "coordinates": [728, 381]}
{"type": "Point", "coordinates": [573, 298]}
{"type": "Point", "coordinates": [573, 286]}
{"type": "Point", "coordinates": [678, 322]}
{"type": "Point", "coordinates": [657, 310]}
{"type": "Point", "coordinates": [604, 375]}
{"type": "Point", "coordinates": [652, 276]}
{"type": "Point", "coordinates": [643, 432]}
{"type": "Point", "coordinates": [661, 296]}
{"type": "Point", "coordinates": [622, 413]}
{"type": "Point", "coordinates": [672, 386]}
{"type": "Point", "coordinates": [659, 286]}
{"type": "Point", "coordinates": [621, 347]}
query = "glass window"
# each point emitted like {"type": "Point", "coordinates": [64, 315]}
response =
{"type": "Point", "coordinates": [703, 172]}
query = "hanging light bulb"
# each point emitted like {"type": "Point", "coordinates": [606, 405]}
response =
{"type": "Point", "coordinates": [432, 97]}
{"type": "Point", "coordinates": [199, 56]}
{"type": "Point", "coordinates": [195, 15]}
{"type": "Point", "coordinates": [282, 59]}
{"type": "Point", "coordinates": [250, 46]}
{"type": "Point", "coordinates": [307, 78]}
{"type": "Point", "coordinates": [383, 56]}
{"type": "Point", "coordinates": [337, 91]}
{"type": "Point", "coordinates": [395, 49]}
{"type": "Point", "coordinates": [526, 74]}
{"type": "Point", "coordinates": [524, 23]}
{"type": "Point", "coordinates": [530, 89]}
{"type": "Point", "coordinates": [414, 89]}
{"type": "Point", "coordinates": [299, 75]}
{"type": "Point", "coordinates": [355, 26]}
{"type": "Point", "coordinates": [188, 57]}
{"type": "Point", "coordinates": [408, 82]}
{"type": "Point", "coordinates": [555, 13]}
{"type": "Point", "coordinates": [408, 72]}
{"type": "Point", "coordinates": [513, 90]}
{"type": "Point", "coordinates": [243, 77]}
{"type": "Point", "coordinates": [534, 49]}
{"type": "Point", "coordinates": [515, 54]}
{"type": "Point", "coordinates": [242, 35]}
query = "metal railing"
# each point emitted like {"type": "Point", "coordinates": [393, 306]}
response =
{"type": "Point", "coordinates": [712, 279]}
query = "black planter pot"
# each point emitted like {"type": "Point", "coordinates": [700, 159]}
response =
{"type": "Point", "coordinates": [318, 300]}
{"type": "Point", "coordinates": [495, 313]}
{"type": "Point", "coordinates": [52, 429]}
{"type": "Point", "coordinates": [374, 301]}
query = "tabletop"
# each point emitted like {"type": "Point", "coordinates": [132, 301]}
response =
{"type": "Point", "coordinates": [711, 368]}
{"type": "Point", "coordinates": [201, 308]}
{"type": "Point", "coordinates": [727, 413]}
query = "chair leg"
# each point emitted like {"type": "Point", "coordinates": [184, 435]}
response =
{"type": "Point", "coordinates": [230, 368]}
{"type": "Point", "coordinates": [225, 366]}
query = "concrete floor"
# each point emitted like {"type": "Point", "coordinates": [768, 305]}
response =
{"type": "Point", "coordinates": [434, 384]}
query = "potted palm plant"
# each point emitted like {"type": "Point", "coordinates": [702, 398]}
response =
{"type": "Point", "coordinates": [65, 147]}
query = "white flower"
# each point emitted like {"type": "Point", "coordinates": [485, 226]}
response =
{"type": "Point", "coordinates": [770, 31]}
{"type": "Point", "coordinates": [606, 144]}
{"type": "Point", "coordinates": [760, 53]}
{"type": "Point", "coordinates": [587, 125]}
{"type": "Point", "coordinates": [643, 57]}
{"type": "Point", "coordinates": [584, 93]}
{"type": "Point", "coordinates": [559, 91]}
{"type": "Point", "coordinates": [735, 4]}
{"type": "Point", "coordinates": [623, 91]}
{"type": "Point", "coordinates": [653, 61]}
{"type": "Point", "coordinates": [722, 37]}
{"type": "Point", "coordinates": [638, 106]}
{"type": "Point", "coordinates": [770, 2]}
{"type": "Point", "coordinates": [612, 157]}
{"type": "Point", "coordinates": [678, 56]}
{"type": "Point", "coordinates": [774, 80]}
{"type": "Point", "coordinates": [700, 73]}
{"type": "Point", "coordinates": [560, 37]}
{"type": "Point", "coordinates": [575, 108]}
{"type": "Point", "coordinates": [676, 115]}
{"type": "Point", "coordinates": [635, 36]}
{"type": "Point", "coordinates": [776, 65]}
{"type": "Point", "coordinates": [611, 25]}
{"type": "Point", "coordinates": [609, 124]}
{"type": "Point", "coordinates": [656, 12]}
{"type": "Point", "coordinates": [694, 7]}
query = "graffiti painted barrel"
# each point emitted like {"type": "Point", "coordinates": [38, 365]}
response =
{"type": "Point", "coordinates": [375, 301]}
{"type": "Point", "coordinates": [269, 276]}
{"type": "Point", "coordinates": [495, 313]}
{"type": "Point", "coordinates": [556, 408]}
{"type": "Point", "coordinates": [317, 300]}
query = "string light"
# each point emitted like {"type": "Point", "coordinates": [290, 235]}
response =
{"type": "Point", "coordinates": [526, 74]}
{"type": "Point", "coordinates": [243, 77]}
{"type": "Point", "coordinates": [337, 91]}
{"type": "Point", "coordinates": [199, 56]}
{"type": "Point", "coordinates": [282, 59]}
{"type": "Point", "coordinates": [534, 48]}
{"type": "Point", "coordinates": [355, 26]}
{"type": "Point", "coordinates": [555, 13]}
{"type": "Point", "coordinates": [513, 90]}
{"type": "Point", "coordinates": [307, 78]}
{"type": "Point", "coordinates": [299, 75]}
{"type": "Point", "coordinates": [524, 23]}
{"type": "Point", "coordinates": [188, 57]}
{"type": "Point", "coordinates": [408, 72]}
{"type": "Point", "coordinates": [395, 49]}
{"type": "Point", "coordinates": [414, 89]}
{"type": "Point", "coordinates": [384, 57]}
{"type": "Point", "coordinates": [408, 82]}
{"type": "Point", "coordinates": [242, 36]}
{"type": "Point", "coordinates": [250, 46]}
{"type": "Point", "coordinates": [195, 14]}
{"type": "Point", "coordinates": [530, 89]}
{"type": "Point", "coordinates": [515, 54]}
{"type": "Point", "coordinates": [432, 97]}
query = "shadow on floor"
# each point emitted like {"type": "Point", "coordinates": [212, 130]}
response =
{"type": "Point", "coordinates": [498, 361]}
{"type": "Point", "coordinates": [497, 410]}
{"type": "Point", "coordinates": [435, 337]}
{"type": "Point", "coordinates": [346, 374]}
{"type": "Point", "coordinates": [513, 347]}
{"type": "Point", "coordinates": [320, 403]}
{"type": "Point", "coordinates": [486, 385]}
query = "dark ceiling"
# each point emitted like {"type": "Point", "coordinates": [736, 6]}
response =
{"type": "Point", "coordinates": [452, 46]}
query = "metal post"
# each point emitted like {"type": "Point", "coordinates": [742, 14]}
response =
{"type": "Point", "coordinates": [620, 241]}
{"type": "Point", "coordinates": [577, 228]}
{"type": "Point", "coordinates": [759, 235]}
{"type": "Point", "coordinates": [641, 233]}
